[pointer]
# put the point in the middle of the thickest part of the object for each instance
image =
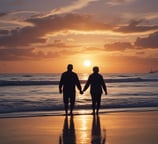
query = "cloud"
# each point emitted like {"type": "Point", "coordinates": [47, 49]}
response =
{"type": "Point", "coordinates": [60, 44]}
{"type": "Point", "coordinates": [15, 23]}
{"type": "Point", "coordinates": [92, 49]}
{"type": "Point", "coordinates": [2, 14]}
{"type": "Point", "coordinates": [140, 53]}
{"type": "Point", "coordinates": [23, 13]}
{"type": "Point", "coordinates": [48, 51]}
{"type": "Point", "coordinates": [41, 28]}
{"type": "Point", "coordinates": [148, 42]}
{"type": "Point", "coordinates": [21, 37]}
{"type": "Point", "coordinates": [118, 46]}
{"type": "Point", "coordinates": [118, 2]}
{"type": "Point", "coordinates": [50, 25]}
{"type": "Point", "coordinates": [26, 54]}
{"type": "Point", "coordinates": [12, 42]}
{"type": "Point", "coordinates": [15, 54]}
{"type": "Point", "coordinates": [14, 19]}
{"type": "Point", "coordinates": [135, 27]}
{"type": "Point", "coordinates": [67, 9]}
{"type": "Point", "coordinates": [141, 43]}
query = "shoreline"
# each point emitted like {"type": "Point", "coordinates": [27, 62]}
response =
{"type": "Point", "coordinates": [76, 112]}
{"type": "Point", "coordinates": [108, 128]}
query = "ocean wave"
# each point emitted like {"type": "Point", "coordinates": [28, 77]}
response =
{"type": "Point", "coordinates": [36, 82]}
{"type": "Point", "coordinates": [27, 83]}
{"type": "Point", "coordinates": [35, 107]}
{"type": "Point", "coordinates": [131, 80]}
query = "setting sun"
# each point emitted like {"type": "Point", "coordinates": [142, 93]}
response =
{"type": "Point", "coordinates": [87, 63]}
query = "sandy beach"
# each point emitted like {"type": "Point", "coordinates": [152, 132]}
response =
{"type": "Point", "coordinates": [110, 128]}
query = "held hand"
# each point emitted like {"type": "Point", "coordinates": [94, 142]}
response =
{"type": "Point", "coordinates": [81, 92]}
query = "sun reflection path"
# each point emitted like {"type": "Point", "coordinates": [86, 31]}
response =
{"type": "Point", "coordinates": [89, 130]}
{"type": "Point", "coordinates": [84, 129]}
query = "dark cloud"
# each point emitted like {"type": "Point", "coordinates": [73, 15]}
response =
{"type": "Point", "coordinates": [118, 46]}
{"type": "Point", "coordinates": [135, 27]}
{"type": "Point", "coordinates": [13, 40]}
{"type": "Point", "coordinates": [69, 22]}
{"type": "Point", "coordinates": [141, 43]}
{"type": "Point", "coordinates": [22, 54]}
{"type": "Point", "coordinates": [52, 24]}
{"type": "Point", "coordinates": [62, 23]}
{"type": "Point", "coordinates": [15, 54]}
{"type": "Point", "coordinates": [21, 37]}
{"type": "Point", "coordinates": [3, 14]}
{"type": "Point", "coordinates": [148, 42]}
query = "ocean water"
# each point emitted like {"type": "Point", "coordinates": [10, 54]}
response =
{"type": "Point", "coordinates": [38, 94]}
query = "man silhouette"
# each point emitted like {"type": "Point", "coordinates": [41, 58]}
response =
{"type": "Point", "coordinates": [96, 83]}
{"type": "Point", "coordinates": [68, 81]}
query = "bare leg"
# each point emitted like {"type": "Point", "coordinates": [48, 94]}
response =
{"type": "Point", "coordinates": [66, 108]}
{"type": "Point", "coordinates": [98, 104]}
{"type": "Point", "coordinates": [72, 104]}
{"type": "Point", "coordinates": [93, 107]}
{"type": "Point", "coordinates": [71, 108]}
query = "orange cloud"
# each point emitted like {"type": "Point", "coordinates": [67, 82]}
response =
{"type": "Point", "coordinates": [43, 26]}
{"type": "Point", "coordinates": [118, 46]}
{"type": "Point", "coordinates": [64, 23]}
{"type": "Point", "coordinates": [20, 44]}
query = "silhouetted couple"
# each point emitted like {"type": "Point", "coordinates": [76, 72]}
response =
{"type": "Point", "coordinates": [69, 80]}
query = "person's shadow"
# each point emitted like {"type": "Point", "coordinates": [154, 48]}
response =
{"type": "Point", "coordinates": [68, 135]}
{"type": "Point", "coordinates": [96, 136]}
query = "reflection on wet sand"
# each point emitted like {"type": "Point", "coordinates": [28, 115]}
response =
{"type": "Point", "coordinates": [96, 134]}
{"type": "Point", "coordinates": [82, 130]}
{"type": "Point", "coordinates": [68, 135]}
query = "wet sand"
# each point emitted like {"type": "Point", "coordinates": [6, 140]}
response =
{"type": "Point", "coordinates": [108, 128]}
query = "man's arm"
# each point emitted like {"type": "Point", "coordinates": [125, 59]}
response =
{"type": "Point", "coordinates": [61, 84]}
{"type": "Point", "coordinates": [78, 84]}
{"type": "Point", "coordinates": [104, 86]}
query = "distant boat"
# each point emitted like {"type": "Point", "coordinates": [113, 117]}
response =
{"type": "Point", "coordinates": [153, 71]}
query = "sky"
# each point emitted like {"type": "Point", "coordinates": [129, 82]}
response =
{"type": "Point", "coordinates": [43, 36]}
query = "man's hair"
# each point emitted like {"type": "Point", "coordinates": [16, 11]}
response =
{"type": "Point", "coordinates": [69, 67]}
{"type": "Point", "coordinates": [96, 69]}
